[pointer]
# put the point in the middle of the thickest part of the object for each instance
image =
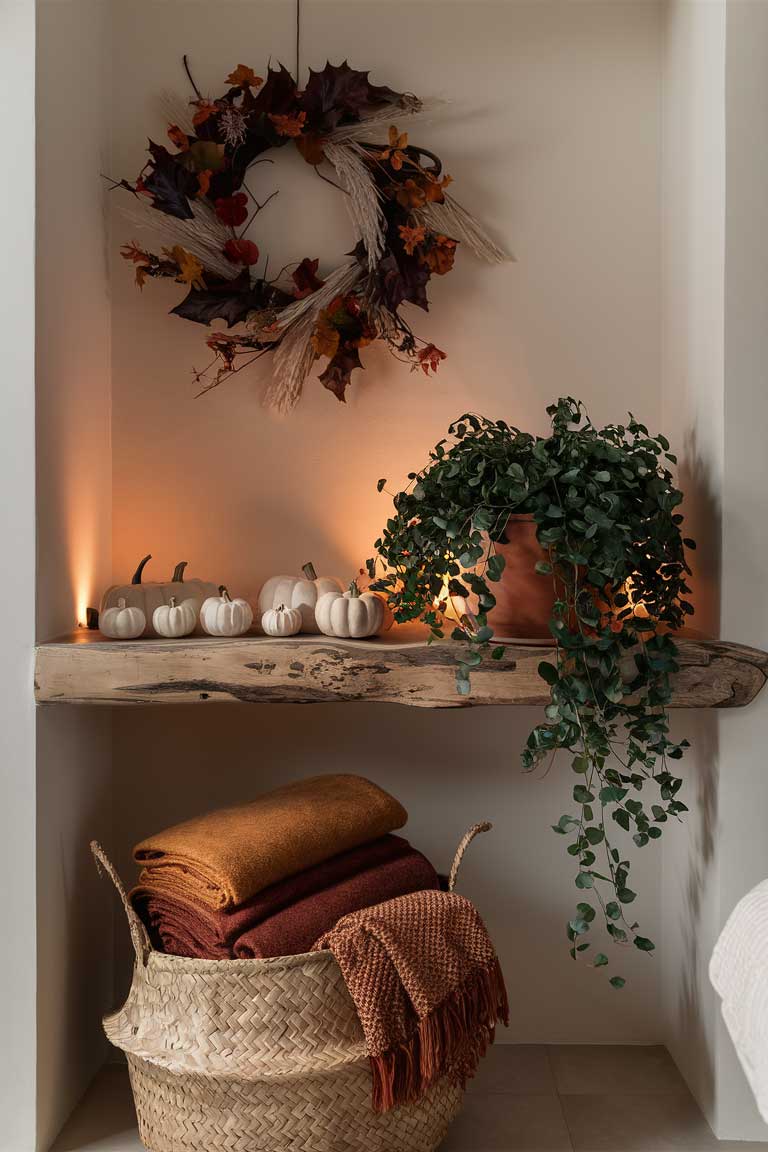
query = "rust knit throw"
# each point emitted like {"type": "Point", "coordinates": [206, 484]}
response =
{"type": "Point", "coordinates": [223, 858]}
{"type": "Point", "coordinates": [427, 987]}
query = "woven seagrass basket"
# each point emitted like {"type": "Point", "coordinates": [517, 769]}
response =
{"type": "Point", "coordinates": [258, 1055]}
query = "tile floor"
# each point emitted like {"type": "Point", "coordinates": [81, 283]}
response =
{"type": "Point", "coordinates": [526, 1098]}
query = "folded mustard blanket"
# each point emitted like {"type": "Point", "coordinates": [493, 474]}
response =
{"type": "Point", "coordinates": [225, 857]}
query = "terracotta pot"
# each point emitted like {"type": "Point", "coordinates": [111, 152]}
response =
{"type": "Point", "coordinates": [524, 597]}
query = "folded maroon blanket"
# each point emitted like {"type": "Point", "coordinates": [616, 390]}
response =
{"type": "Point", "coordinates": [298, 926]}
{"type": "Point", "coordinates": [184, 929]}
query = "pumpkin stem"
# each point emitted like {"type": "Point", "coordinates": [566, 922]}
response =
{"type": "Point", "coordinates": [178, 572]}
{"type": "Point", "coordinates": [354, 591]}
{"type": "Point", "coordinates": [280, 608]}
{"type": "Point", "coordinates": [224, 594]}
{"type": "Point", "coordinates": [121, 602]}
{"type": "Point", "coordinates": [136, 579]}
{"type": "Point", "coordinates": [172, 603]}
{"type": "Point", "coordinates": [309, 570]}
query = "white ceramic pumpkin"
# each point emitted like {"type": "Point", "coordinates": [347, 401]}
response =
{"type": "Point", "coordinates": [352, 614]}
{"type": "Point", "coordinates": [222, 616]}
{"type": "Point", "coordinates": [302, 592]}
{"type": "Point", "coordinates": [281, 621]}
{"type": "Point", "coordinates": [174, 620]}
{"type": "Point", "coordinates": [149, 596]}
{"type": "Point", "coordinates": [122, 622]}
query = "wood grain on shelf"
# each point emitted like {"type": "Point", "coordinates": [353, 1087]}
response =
{"type": "Point", "coordinates": [399, 668]}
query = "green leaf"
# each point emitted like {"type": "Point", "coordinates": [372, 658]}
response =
{"type": "Point", "coordinates": [586, 912]}
{"type": "Point", "coordinates": [617, 981]}
{"type": "Point", "coordinates": [594, 835]}
{"type": "Point", "coordinates": [644, 944]}
{"type": "Point", "coordinates": [626, 895]}
{"type": "Point", "coordinates": [584, 880]}
{"type": "Point", "coordinates": [612, 910]}
{"type": "Point", "coordinates": [495, 566]}
{"type": "Point", "coordinates": [380, 484]}
{"type": "Point", "coordinates": [600, 960]}
{"type": "Point", "coordinates": [548, 672]}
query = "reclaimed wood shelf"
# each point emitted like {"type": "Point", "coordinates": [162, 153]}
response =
{"type": "Point", "coordinates": [399, 667]}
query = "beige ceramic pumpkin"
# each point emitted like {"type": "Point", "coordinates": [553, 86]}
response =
{"type": "Point", "coordinates": [302, 592]}
{"type": "Point", "coordinates": [151, 595]}
{"type": "Point", "coordinates": [122, 622]}
{"type": "Point", "coordinates": [281, 621]}
{"type": "Point", "coordinates": [350, 615]}
{"type": "Point", "coordinates": [222, 616]}
{"type": "Point", "coordinates": [174, 620]}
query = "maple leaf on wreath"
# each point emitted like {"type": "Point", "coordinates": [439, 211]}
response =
{"type": "Point", "coordinates": [290, 125]}
{"type": "Point", "coordinates": [411, 236]}
{"type": "Point", "coordinates": [244, 77]}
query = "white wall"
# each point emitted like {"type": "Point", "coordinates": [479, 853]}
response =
{"type": "Point", "coordinates": [693, 365]}
{"type": "Point", "coordinates": [742, 843]}
{"type": "Point", "coordinates": [74, 501]}
{"type": "Point", "coordinates": [715, 192]}
{"type": "Point", "coordinates": [17, 532]}
{"type": "Point", "coordinates": [553, 136]}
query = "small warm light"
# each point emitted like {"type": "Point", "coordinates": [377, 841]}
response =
{"type": "Point", "coordinates": [635, 603]}
{"type": "Point", "coordinates": [453, 607]}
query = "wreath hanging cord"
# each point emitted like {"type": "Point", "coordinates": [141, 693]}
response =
{"type": "Point", "coordinates": [407, 225]}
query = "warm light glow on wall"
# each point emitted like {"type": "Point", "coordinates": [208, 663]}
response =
{"type": "Point", "coordinates": [81, 544]}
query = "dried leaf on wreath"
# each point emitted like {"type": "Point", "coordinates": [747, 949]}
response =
{"type": "Point", "coordinates": [178, 137]}
{"type": "Point", "coordinates": [289, 125]}
{"type": "Point", "coordinates": [244, 77]}
{"type": "Point", "coordinates": [325, 338]}
{"type": "Point", "coordinates": [341, 94]}
{"type": "Point", "coordinates": [306, 279]}
{"type": "Point", "coordinates": [434, 189]}
{"type": "Point", "coordinates": [204, 182]}
{"type": "Point", "coordinates": [277, 94]}
{"type": "Point", "coordinates": [169, 184]}
{"type": "Point", "coordinates": [394, 153]}
{"type": "Point", "coordinates": [404, 279]}
{"type": "Point", "coordinates": [440, 255]}
{"type": "Point", "coordinates": [190, 269]}
{"type": "Point", "coordinates": [429, 359]}
{"type": "Point", "coordinates": [205, 109]}
{"type": "Point", "coordinates": [338, 373]}
{"type": "Point", "coordinates": [135, 253]}
{"type": "Point", "coordinates": [310, 145]}
{"type": "Point", "coordinates": [411, 236]}
{"type": "Point", "coordinates": [229, 300]}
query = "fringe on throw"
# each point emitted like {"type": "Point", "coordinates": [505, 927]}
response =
{"type": "Point", "coordinates": [450, 218]}
{"type": "Point", "coordinates": [450, 1040]}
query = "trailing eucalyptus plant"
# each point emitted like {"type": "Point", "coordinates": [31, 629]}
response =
{"type": "Point", "coordinates": [607, 519]}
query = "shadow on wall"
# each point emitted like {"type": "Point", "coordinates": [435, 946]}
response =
{"type": "Point", "coordinates": [74, 919]}
{"type": "Point", "coordinates": [696, 882]}
{"type": "Point", "coordinates": [689, 859]}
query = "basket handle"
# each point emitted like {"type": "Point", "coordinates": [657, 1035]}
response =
{"type": "Point", "coordinates": [141, 942]}
{"type": "Point", "coordinates": [464, 843]}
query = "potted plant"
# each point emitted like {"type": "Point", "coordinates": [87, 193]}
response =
{"type": "Point", "coordinates": [605, 513]}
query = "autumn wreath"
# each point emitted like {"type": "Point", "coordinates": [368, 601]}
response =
{"type": "Point", "coordinates": [407, 226]}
